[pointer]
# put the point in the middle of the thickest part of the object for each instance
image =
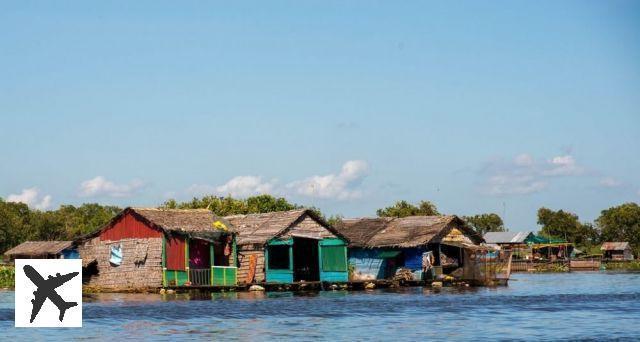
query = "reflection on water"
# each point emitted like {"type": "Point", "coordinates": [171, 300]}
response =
{"type": "Point", "coordinates": [538, 306]}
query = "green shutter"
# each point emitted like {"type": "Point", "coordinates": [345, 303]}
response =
{"type": "Point", "coordinates": [334, 259]}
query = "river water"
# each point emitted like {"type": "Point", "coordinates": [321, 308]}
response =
{"type": "Point", "coordinates": [598, 305]}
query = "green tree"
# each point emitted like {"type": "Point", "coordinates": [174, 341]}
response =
{"type": "Point", "coordinates": [18, 223]}
{"type": "Point", "coordinates": [404, 209]}
{"type": "Point", "coordinates": [225, 206]}
{"type": "Point", "coordinates": [15, 225]}
{"type": "Point", "coordinates": [84, 219]}
{"type": "Point", "coordinates": [565, 225]}
{"type": "Point", "coordinates": [334, 220]}
{"type": "Point", "coordinates": [484, 223]}
{"type": "Point", "coordinates": [268, 203]}
{"type": "Point", "coordinates": [621, 223]}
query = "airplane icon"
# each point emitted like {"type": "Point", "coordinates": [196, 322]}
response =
{"type": "Point", "coordinates": [47, 289]}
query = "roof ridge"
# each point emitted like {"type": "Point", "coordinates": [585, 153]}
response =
{"type": "Point", "coordinates": [170, 209]}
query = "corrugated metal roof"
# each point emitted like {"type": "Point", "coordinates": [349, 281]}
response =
{"type": "Point", "coordinates": [506, 237]}
{"type": "Point", "coordinates": [614, 246]}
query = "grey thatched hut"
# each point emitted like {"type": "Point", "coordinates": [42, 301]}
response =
{"type": "Point", "coordinates": [43, 250]}
{"type": "Point", "coordinates": [380, 246]}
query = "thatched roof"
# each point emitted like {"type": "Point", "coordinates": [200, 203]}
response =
{"type": "Point", "coordinates": [36, 248]}
{"type": "Point", "coordinates": [405, 232]}
{"type": "Point", "coordinates": [198, 223]}
{"type": "Point", "coordinates": [260, 228]}
{"type": "Point", "coordinates": [614, 246]}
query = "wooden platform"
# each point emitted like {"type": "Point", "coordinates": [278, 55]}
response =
{"type": "Point", "coordinates": [585, 265]}
{"type": "Point", "coordinates": [325, 286]}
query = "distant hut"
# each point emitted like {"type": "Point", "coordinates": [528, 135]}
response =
{"type": "Point", "coordinates": [287, 247]}
{"type": "Point", "coordinates": [617, 251]}
{"type": "Point", "coordinates": [43, 250]}
{"type": "Point", "coordinates": [151, 248]}
{"type": "Point", "coordinates": [380, 246]}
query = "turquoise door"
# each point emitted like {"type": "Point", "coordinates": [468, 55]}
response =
{"type": "Point", "coordinates": [333, 260]}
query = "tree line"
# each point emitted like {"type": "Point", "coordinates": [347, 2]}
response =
{"type": "Point", "coordinates": [19, 223]}
{"type": "Point", "coordinates": [619, 223]}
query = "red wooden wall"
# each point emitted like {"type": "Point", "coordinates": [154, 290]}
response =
{"type": "Point", "coordinates": [129, 227]}
{"type": "Point", "coordinates": [175, 251]}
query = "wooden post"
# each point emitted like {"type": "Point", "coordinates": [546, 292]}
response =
{"type": "Point", "coordinates": [320, 260]}
{"type": "Point", "coordinates": [291, 257]}
{"type": "Point", "coordinates": [186, 257]}
{"type": "Point", "coordinates": [234, 252]}
{"type": "Point", "coordinates": [164, 261]}
{"type": "Point", "coordinates": [211, 262]}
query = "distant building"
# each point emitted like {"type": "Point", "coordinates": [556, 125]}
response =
{"type": "Point", "coordinates": [509, 240]}
{"type": "Point", "coordinates": [617, 251]}
{"type": "Point", "coordinates": [43, 250]}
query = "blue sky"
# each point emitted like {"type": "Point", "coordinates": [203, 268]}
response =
{"type": "Point", "coordinates": [348, 106]}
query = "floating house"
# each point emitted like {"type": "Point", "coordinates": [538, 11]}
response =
{"type": "Point", "coordinates": [288, 247]}
{"type": "Point", "coordinates": [380, 246]}
{"type": "Point", "coordinates": [152, 248]}
{"type": "Point", "coordinates": [616, 251]}
{"type": "Point", "coordinates": [43, 250]}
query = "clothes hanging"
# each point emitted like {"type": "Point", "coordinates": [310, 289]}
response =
{"type": "Point", "coordinates": [116, 255]}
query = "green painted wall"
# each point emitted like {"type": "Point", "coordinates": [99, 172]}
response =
{"type": "Point", "coordinates": [335, 268]}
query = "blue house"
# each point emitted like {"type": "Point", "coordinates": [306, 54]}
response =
{"type": "Point", "coordinates": [380, 246]}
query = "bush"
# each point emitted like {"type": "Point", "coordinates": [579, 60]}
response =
{"type": "Point", "coordinates": [623, 265]}
{"type": "Point", "coordinates": [7, 276]}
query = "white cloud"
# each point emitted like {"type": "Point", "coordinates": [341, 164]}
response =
{"type": "Point", "coordinates": [563, 166]}
{"type": "Point", "coordinates": [610, 182]}
{"type": "Point", "coordinates": [243, 186]}
{"type": "Point", "coordinates": [514, 185]}
{"type": "Point", "coordinates": [341, 186]}
{"type": "Point", "coordinates": [239, 186]}
{"type": "Point", "coordinates": [101, 187]}
{"type": "Point", "coordinates": [32, 198]}
{"type": "Point", "coordinates": [525, 175]}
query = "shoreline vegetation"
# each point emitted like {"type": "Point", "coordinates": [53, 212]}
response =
{"type": "Point", "coordinates": [7, 277]}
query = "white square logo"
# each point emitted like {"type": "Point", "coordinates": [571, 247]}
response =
{"type": "Point", "coordinates": [48, 293]}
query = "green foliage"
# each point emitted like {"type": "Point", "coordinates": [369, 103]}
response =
{"type": "Point", "coordinates": [404, 209]}
{"type": "Point", "coordinates": [225, 206]}
{"type": "Point", "coordinates": [621, 223]}
{"type": "Point", "coordinates": [484, 223]}
{"type": "Point", "coordinates": [15, 224]}
{"type": "Point", "coordinates": [551, 268]}
{"type": "Point", "coordinates": [622, 265]}
{"type": "Point", "coordinates": [7, 276]}
{"type": "Point", "coordinates": [18, 223]}
{"type": "Point", "coordinates": [334, 220]}
{"type": "Point", "coordinates": [565, 225]}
